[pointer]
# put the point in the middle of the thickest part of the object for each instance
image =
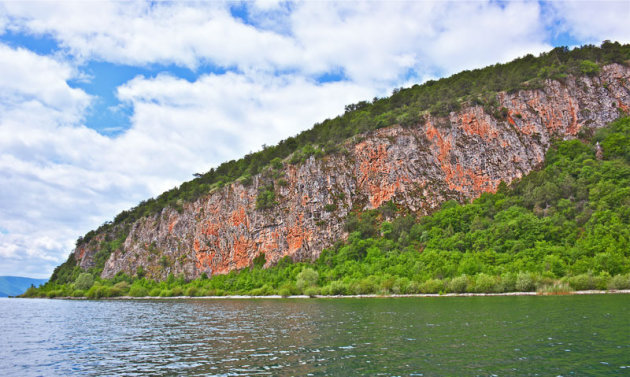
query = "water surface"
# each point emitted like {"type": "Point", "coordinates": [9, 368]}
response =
{"type": "Point", "coordinates": [463, 336]}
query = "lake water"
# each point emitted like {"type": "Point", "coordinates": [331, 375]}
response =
{"type": "Point", "coordinates": [459, 336]}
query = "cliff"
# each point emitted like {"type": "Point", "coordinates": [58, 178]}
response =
{"type": "Point", "coordinates": [418, 167]}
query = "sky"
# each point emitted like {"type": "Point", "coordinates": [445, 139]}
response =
{"type": "Point", "coordinates": [105, 104]}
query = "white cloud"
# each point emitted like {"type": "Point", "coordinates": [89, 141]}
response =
{"type": "Point", "coordinates": [58, 178]}
{"type": "Point", "coordinates": [53, 183]}
{"type": "Point", "coordinates": [595, 21]}
{"type": "Point", "coordinates": [138, 33]}
{"type": "Point", "coordinates": [220, 117]}
{"type": "Point", "coordinates": [374, 43]}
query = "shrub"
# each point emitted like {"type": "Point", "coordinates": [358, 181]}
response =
{"type": "Point", "coordinates": [582, 282]}
{"type": "Point", "coordinates": [177, 291]}
{"type": "Point", "coordinates": [507, 283]}
{"type": "Point", "coordinates": [432, 286]}
{"type": "Point", "coordinates": [589, 68]}
{"type": "Point", "coordinates": [78, 293]}
{"type": "Point", "coordinates": [266, 198]}
{"type": "Point", "coordinates": [284, 292]}
{"type": "Point", "coordinates": [138, 291]}
{"type": "Point", "coordinates": [307, 278]}
{"type": "Point", "coordinates": [123, 286]}
{"type": "Point", "coordinates": [387, 284]}
{"type": "Point", "coordinates": [192, 291]}
{"type": "Point", "coordinates": [525, 282]}
{"type": "Point", "coordinates": [97, 291]}
{"type": "Point", "coordinates": [155, 292]}
{"type": "Point", "coordinates": [265, 290]}
{"type": "Point", "coordinates": [413, 287]}
{"type": "Point", "coordinates": [458, 284]}
{"type": "Point", "coordinates": [619, 282]}
{"type": "Point", "coordinates": [312, 291]}
{"type": "Point", "coordinates": [337, 287]}
{"type": "Point", "coordinates": [113, 292]}
{"type": "Point", "coordinates": [556, 288]}
{"type": "Point", "coordinates": [485, 284]}
{"type": "Point", "coordinates": [330, 207]}
{"type": "Point", "coordinates": [84, 281]}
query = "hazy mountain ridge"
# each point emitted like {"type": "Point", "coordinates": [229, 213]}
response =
{"type": "Point", "coordinates": [16, 285]}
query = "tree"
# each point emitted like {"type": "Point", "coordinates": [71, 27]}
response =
{"type": "Point", "coordinates": [307, 278]}
{"type": "Point", "coordinates": [84, 281]}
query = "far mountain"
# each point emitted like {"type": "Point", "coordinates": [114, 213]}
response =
{"type": "Point", "coordinates": [16, 285]}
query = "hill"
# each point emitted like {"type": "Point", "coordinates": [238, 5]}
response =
{"type": "Point", "coordinates": [409, 151]}
{"type": "Point", "coordinates": [561, 228]}
{"type": "Point", "coordinates": [15, 285]}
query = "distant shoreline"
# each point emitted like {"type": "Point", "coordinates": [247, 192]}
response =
{"type": "Point", "coordinates": [241, 297]}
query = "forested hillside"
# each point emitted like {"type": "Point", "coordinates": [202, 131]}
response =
{"type": "Point", "coordinates": [406, 106]}
{"type": "Point", "coordinates": [564, 227]}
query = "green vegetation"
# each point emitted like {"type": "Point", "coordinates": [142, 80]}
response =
{"type": "Point", "coordinates": [405, 107]}
{"type": "Point", "coordinates": [266, 197]}
{"type": "Point", "coordinates": [565, 227]}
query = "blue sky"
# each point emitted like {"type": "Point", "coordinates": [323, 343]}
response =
{"type": "Point", "coordinates": [104, 104]}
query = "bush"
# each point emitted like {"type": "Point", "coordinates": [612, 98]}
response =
{"type": "Point", "coordinates": [155, 292]}
{"type": "Point", "coordinates": [330, 207]}
{"type": "Point", "coordinates": [365, 286]}
{"type": "Point", "coordinates": [177, 291]}
{"type": "Point", "coordinates": [589, 68]}
{"type": "Point", "coordinates": [78, 293]}
{"type": "Point", "coordinates": [97, 291]}
{"type": "Point", "coordinates": [485, 284]}
{"type": "Point", "coordinates": [582, 282]}
{"type": "Point", "coordinates": [337, 288]}
{"type": "Point", "coordinates": [525, 282]}
{"type": "Point", "coordinates": [507, 283]}
{"type": "Point", "coordinates": [432, 286]}
{"type": "Point", "coordinates": [266, 198]}
{"type": "Point", "coordinates": [413, 287]}
{"type": "Point", "coordinates": [265, 290]}
{"type": "Point", "coordinates": [123, 286]}
{"type": "Point", "coordinates": [114, 292]}
{"type": "Point", "coordinates": [84, 281]}
{"type": "Point", "coordinates": [619, 282]}
{"type": "Point", "coordinates": [311, 291]}
{"type": "Point", "coordinates": [192, 291]}
{"type": "Point", "coordinates": [307, 278]}
{"type": "Point", "coordinates": [556, 288]}
{"type": "Point", "coordinates": [458, 284]}
{"type": "Point", "coordinates": [166, 293]}
{"type": "Point", "coordinates": [138, 291]}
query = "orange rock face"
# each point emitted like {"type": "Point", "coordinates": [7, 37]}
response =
{"type": "Point", "coordinates": [455, 157]}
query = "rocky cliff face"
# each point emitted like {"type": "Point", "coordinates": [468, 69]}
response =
{"type": "Point", "coordinates": [456, 157]}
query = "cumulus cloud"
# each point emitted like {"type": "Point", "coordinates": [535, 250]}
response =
{"type": "Point", "coordinates": [220, 117]}
{"type": "Point", "coordinates": [370, 42]}
{"type": "Point", "coordinates": [594, 21]}
{"type": "Point", "coordinates": [138, 33]}
{"type": "Point", "coordinates": [51, 182]}
{"type": "Point", "coordinates": [59, 178]}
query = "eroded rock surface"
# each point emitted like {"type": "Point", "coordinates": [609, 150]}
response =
{"type": "Point", "coordinates": [457, 157]}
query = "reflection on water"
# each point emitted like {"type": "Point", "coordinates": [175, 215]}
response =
{"type": "Point", "coordinates": [574, 335]}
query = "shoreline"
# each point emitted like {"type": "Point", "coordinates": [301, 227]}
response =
{"type": "Point", "coordinates": [242, 297]}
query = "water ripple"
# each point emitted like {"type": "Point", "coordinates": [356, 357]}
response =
{"type": "Point", "coordinates": [388, 337]}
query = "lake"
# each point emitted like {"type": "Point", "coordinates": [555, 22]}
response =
{"type": "Point", "coordinates": [463, 336]}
